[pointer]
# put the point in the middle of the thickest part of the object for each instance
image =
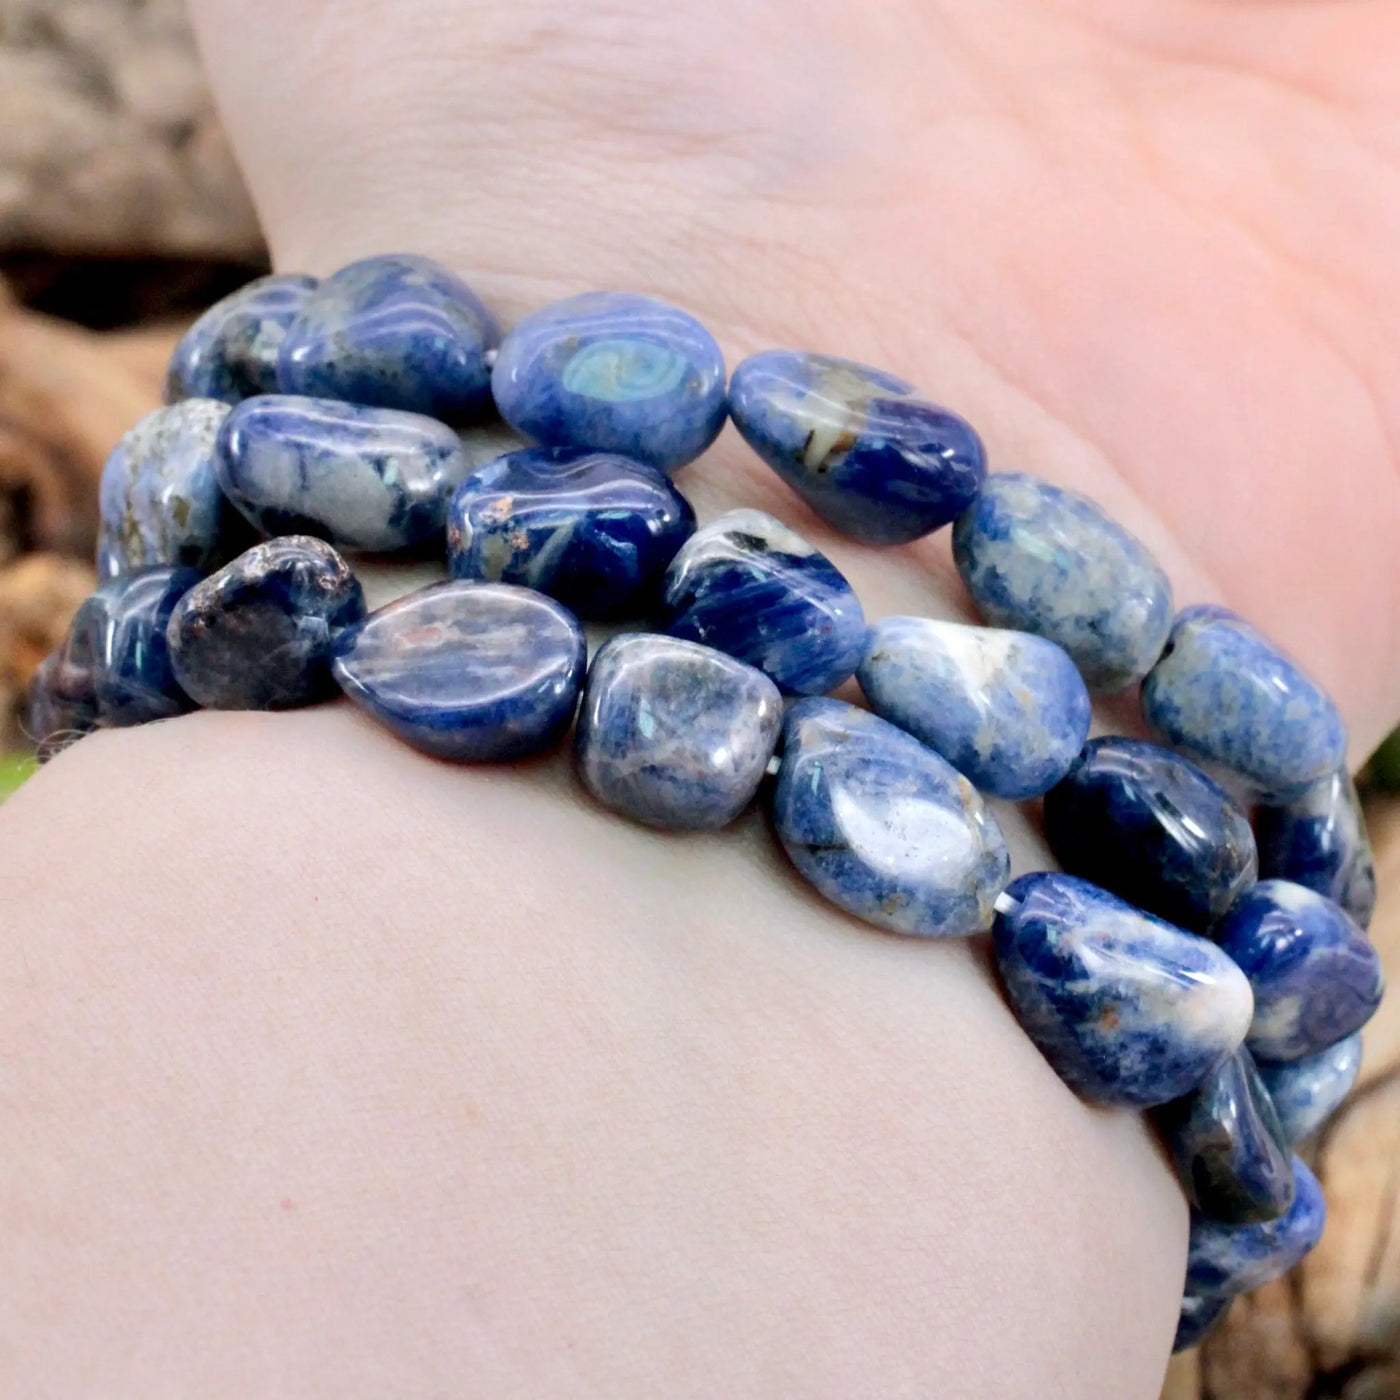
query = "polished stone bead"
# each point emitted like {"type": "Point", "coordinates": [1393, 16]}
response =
{"type": "Point", "coordinates": [1223, 1260]}
{"type": "Point", "coordinates": [1049, 561]}
{"type": "Point", "coordinates": [1315, 976]}
{"type": "Point", "coordinates": [1228, 1146]}
{"type": "Point", "coordinates": [1007, 709]}
{"type": "Point", "coordinates": [230, 353]}
{"type": "Point", "coordinates": [1319, 840]}
{"type": "Point", "coordinates": [1148, 825]}
{"type": "Point", "coordinates": [1307, 1092]}
{"type": "Point", "coordinates": [884, 827]}
{"type": "Point", "coordinates": [857, 444]}
{"type": "Point", "coordinates": [1127, 1009]}
{"type": "Point", "coordinates": [613, 372]}
{"type": "Point", "coordinates": [395, 331]}
{"type": "Point", "coordinates": [474, 672]}
{"type": "Point", "coordinates": [1225, 694]}
{"type": "Point", "coordinates": [53, 719]}
{"type": "Point", "coordinates": [748, 585]}
{"type": "Point", "coordinates": [1198, 1316]}
{"type": "Point", "coordinates": [675, 734]}
{"type": "Point", "coordinates": [592, 529]}
{"type": "Point", "coordinates": [374, 479]}
{"type": "Point", "coordinates": [258, 634]}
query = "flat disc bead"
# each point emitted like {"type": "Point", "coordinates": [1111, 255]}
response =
{"type": "Point", "coordinates": [882, 826]}
{"type": "Point", "coordinates": [748, 585]}
{"type": "Point", "coordinates": [593, 529]}
{"type": "Point", "coordinates": [1006, 709]}
{"type": "Point", "coordinates": [1127, 1009]}
{"type": "Point", "coordinates": [613, 372]}
{"type": "Point", "coordinates": [1045, 560]}
{"type": "Point", "coordinates": [857, 444]}
{"type": "Point", "coordinates": [473, 672]}
{"type": "Point", "coordinates": [1308, 1092]}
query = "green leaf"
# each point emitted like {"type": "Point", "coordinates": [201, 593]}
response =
{"type": "Point", "coordinates": [14, 769]}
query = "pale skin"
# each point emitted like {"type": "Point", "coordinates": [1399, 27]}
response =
{"type": "Point", "coordinates": [333, 1071]}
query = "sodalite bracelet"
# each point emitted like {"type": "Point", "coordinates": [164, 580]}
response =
{"type": "Point", "coordinates": [1157, 972]}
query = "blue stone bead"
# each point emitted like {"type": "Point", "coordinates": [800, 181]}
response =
{"type": "Point", "coordinates": [748, 585]}
{"type": "Point", "coordinates": [1319, 840]}
{"type": "Point", "coordinates": [1127, 1009]}
{"type": "Point", "coordinates": [1228, 1146]}
{"type": "Point", "coordinates": [884, 827]}
{"type": "Point", "coordinates": [857, 444]}
{"type": "Point", "coordinates": [363, 478]}
{"type": "Point", "coordinates": [396, 331]}
{"type": "Point", "coordinates": [52, 718]}
{"type": "Point", "coordinates": [674, 734]}
{"type": "Point", "coordinates": [230, 353]}
{"type": "Point", "coordinates": [1149, 826]}
{"type": "Point", "coordinates": [258, 634]}
{"type": "Point", "coordinates": [1006, 709]}
{"type": "Point", "coordinates": [1049, 561]}
{"type": "Point", "coordinates": [1223, 1260]}
{"type": "Point", "coordinates": [473, 672]}
{"type": "Point", "coordinates": [1198, 1316]}
{"type": "Point", "coordinates": [613, 372]}
{"type": "Point", "coordinates": [1316, 979]}
{"type": "Point", "coordinates": [1308, 1092]}
{"type": "Point", "coordinates": [1225, 694]}
{"type": "Point", "coordinates": [592, 529]}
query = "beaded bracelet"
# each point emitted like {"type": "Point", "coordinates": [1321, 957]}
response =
{"type": "Point", "coordinates": [1160, 972]}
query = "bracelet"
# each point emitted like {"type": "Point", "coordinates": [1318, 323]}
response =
{"type": "Point", "coordinates": [1189, 962]}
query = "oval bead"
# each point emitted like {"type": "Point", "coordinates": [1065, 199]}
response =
{"type": "Point", "coordinates": [395, 331]}
{"type": "Point", "coordinates": [1127, 1009]}
{"type": "Point", "coordinates": [857, 444]}
{"type": "Point", "coordinates": [748, 585]}
{"type": "Point", "coordinates": [1149, 826]}
{"type": "Point", "coordinates": [230, 353]}
{"type": "Point", "coordinates": [1049, 561]}
{"type": "Point", "coordinates": [674, 734]}
{"type": "Point", "coordinates": [882, 826]}
{"type": "Point", "coordinates": [474, 672]}
{"type": "Point", "coordinates": [362, 478]}
{"type": "Point", "coordinates": [1198, 1316]}
{"type": "Point", "coordinates": [1006, 709]}
{"type": "Point", "coordinates": [53, 719]}
{"type": "Point", "coordinates": [1316, 979]}
{"type": "Point", "coordinates": [1308, 1092]}
{"type": "Point", "coordinates": [593, 529]}
{"type": "Point", "coordinates": [613, 372]}
{"type": "Point", "coordinates": [258, 634]}
{"type": "Point", "coordinates": [1225, 694]}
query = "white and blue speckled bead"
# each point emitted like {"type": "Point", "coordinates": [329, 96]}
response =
{"type": "Point", "coordinates": [1308, 1092]}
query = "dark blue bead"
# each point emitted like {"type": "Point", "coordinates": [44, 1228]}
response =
{"type": "Point", "coordinates": [748, 585]}
{"type": "Point", "coordinates": [592, 529]}
{"type": "Point", "coordinates": [1198, 1316]}
{"type": "Point", "coordinates": [613, 372]}
{"type": "Point", "coordinates": [1148, 825]}
{"type": "Point", "coordinates": [395, 331]}
{"type": "Point", "coordinates": [1307, 1092]}
{"type": "Point", "coordinates": [474, 672]}
{"type": "Point", "coordinates": [858, 445]}
{"type": "Point", "coordinates": [1127, 1009]}
{"type": "Point", "coordinates": [54, 719]}
{"type": "Point", "coordinates": [258, 634]}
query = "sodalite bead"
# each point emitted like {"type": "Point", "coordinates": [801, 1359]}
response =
{"type": "Point", "coordinates": [1148, 825]}
{"type": "Point", "coordinates": [1316, 979]}
{"type": "Point", "coordinates": [1308, 1092]}
{"type": "Point", "coordinates": [52, 719]}
{"type": "Point", "coordinates": [1198, 1316]}
{"type": "Point", "coordinates": [858, 445]}
{"type": "Point", "coordinates": [592, 529]}
{"type": "Point", "coordinates": [1006, 709]}
{"type": "Point", "coordinates": [884, 827]}
{"type": "Point", "coordinates": [1224, 693]}
{"type": "Point", "coordinates": [748, 585]}
{"type": "Point", "coordinates": [613, 372]}
{"type": "Point", "coordinates": [230, 353]}
{"type": "Point", "coordinates": [1127, 1009]}
{"type": "Point", "coordinates": [362, 478]}
{"type": "Point", "coordinates": [467, 671]}
{"type": "Point", "coordinates": [1049, 561]}
{"type": "Point", "coordinates": [1319, 840]}
{"type": "Point", "coordinates": [395, 331]}
{"type": "Point", "coordinates": [675, 734]}
{"type": "Point", "coordinates": [258, 634]}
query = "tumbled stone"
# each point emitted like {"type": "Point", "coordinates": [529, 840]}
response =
{"type": "Point", "coordinates": [1308, 1092]}
{"type": "Point", "coordinates": [52, 719]}
{"type": "Point", "coordinates": [1198, 1317]}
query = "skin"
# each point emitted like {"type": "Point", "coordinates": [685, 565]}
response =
{"type": "Point", "coordinates": [334, 1071]}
